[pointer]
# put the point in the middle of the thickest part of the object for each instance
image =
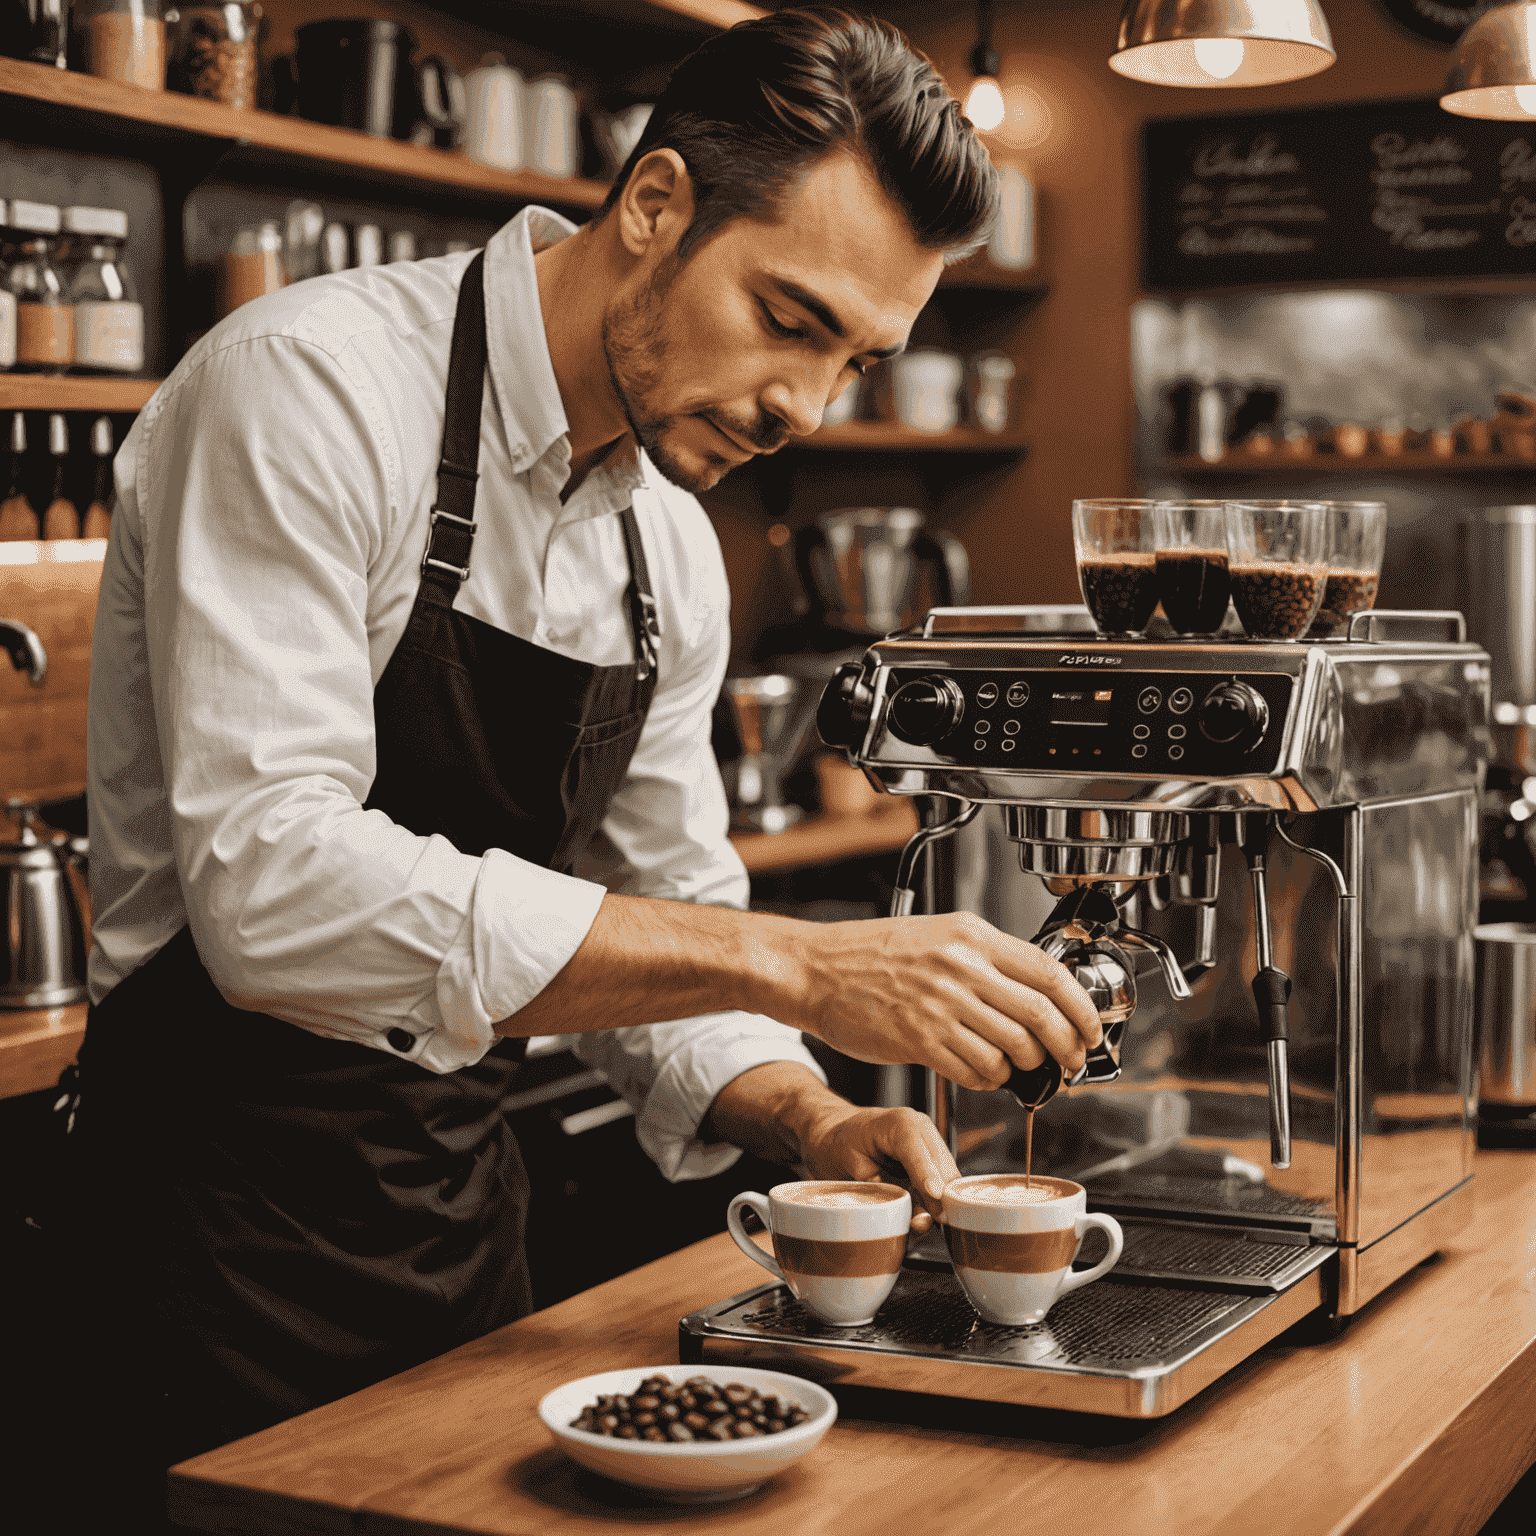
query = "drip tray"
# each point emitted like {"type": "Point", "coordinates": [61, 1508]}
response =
{"type": "Point", "coordinates": [1261, 1261]}
{"type": "Point", "coordinates": [1133, 1349]}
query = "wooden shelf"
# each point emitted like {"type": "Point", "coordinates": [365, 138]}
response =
{"type": "Point", "coordinates": [39, 392]}
{"type": "Point", "coordinates": [1410, 462]}
{"type": "Point", "coordinates": [87, 101]}
{"type": "Point", "coordinates": [828, 839]}
{"type": "Point", "coordinates": [892, 436]}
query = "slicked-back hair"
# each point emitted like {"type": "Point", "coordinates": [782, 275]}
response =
{"type": "Point", "coordinates": [757, 106]}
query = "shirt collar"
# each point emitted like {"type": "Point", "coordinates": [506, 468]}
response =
{"type": "Point", "coordinates": [522, 374]}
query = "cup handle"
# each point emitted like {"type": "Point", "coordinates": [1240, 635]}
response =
{"type": "Point", "coordinates": [759, 1203]}
{"type": "Point", "coordinates": [1110, 1259]}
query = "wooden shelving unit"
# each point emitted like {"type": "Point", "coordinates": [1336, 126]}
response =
{"type": "Point", "coordinates": [83, 101]}
{"type": "Point", "coordinates": [893, 437]}
{"type": "Point", "coordinates": [40, 392]}
{"type": "Point", "coordinates": [1410, 462]}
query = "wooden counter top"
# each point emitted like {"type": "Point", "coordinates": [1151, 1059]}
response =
{"type": "Point", "coordinates": [36, 1045]}
{"type": "Point", "coordinates": [1418, 1419]}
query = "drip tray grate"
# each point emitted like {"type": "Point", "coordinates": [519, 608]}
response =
{"type": "Point", "coordinates": [1134, 1348]}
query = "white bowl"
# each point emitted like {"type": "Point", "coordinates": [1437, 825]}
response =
{"type": "Point", "coordinates": [696, 1471]}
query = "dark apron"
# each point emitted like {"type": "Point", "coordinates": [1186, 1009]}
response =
{"type": "Point", "coordinates": [317, 1214]}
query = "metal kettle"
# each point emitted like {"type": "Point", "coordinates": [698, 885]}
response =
{"type": "Point", "coordinates": [43, 902]}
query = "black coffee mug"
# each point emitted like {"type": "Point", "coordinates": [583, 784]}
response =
{"type": "Point", "coordinates": [356, 74]}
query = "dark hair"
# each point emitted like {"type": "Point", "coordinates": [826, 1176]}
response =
{"type": "Point", "coordinates": [760, 103]}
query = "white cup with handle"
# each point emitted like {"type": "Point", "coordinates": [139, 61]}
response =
{"type": "Point", "coordinates": [1012, 1241]}
{"type": "Point", "coordinates": [838, 1244]}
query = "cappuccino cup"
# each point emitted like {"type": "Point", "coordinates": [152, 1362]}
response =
{"type": "Point", "coordinates": [839, 1244]}
{"type": "Point", "coordinates": [1012, 1242]}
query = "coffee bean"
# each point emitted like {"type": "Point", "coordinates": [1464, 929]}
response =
{"type": "Point", "coordinates": [1276, 600]}
{"type": "Point", "coordinates": [1347, 592]}
{"type": "Point", "coordinates": [1120, 591]}
{"type": "Point", "coordinates": [702, 1409]}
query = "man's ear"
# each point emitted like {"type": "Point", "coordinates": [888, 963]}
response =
{"type": "Point", "coordinates": [656, 205]}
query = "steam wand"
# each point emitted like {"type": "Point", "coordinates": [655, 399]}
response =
{"type": "Point", "coordinates": [1271, 993]}
{"type": "Point", "coordinates": [904, 897]}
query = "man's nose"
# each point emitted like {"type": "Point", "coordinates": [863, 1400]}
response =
{"type": "Point", "coordinates": [798, 402]}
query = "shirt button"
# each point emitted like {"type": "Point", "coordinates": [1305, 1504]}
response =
{"type": "Point", "coordinates": [402, 1040]}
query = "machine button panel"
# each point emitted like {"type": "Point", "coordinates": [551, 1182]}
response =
{"type": "Point", "coordinates": [1085, 719]}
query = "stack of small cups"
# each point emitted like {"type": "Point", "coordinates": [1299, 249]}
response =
{"type": "Point", "coordinates": [1292, 569]}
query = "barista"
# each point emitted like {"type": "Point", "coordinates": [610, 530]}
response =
{"type": "Point", "coordinates": [364, 819]}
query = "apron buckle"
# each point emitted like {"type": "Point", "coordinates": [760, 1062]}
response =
{"type": "Point", "coordinates": [429, 559]}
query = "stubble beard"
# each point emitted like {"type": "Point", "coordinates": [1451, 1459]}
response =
{"type": "Point", "coordinates": [634, 348]}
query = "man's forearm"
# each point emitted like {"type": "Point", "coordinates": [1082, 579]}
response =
{"type": "Point", "coordinates": [645, 960]}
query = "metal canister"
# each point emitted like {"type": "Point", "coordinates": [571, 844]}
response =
{"type": "Point", "coordinates": [1506, 1019]}
{"type": "Point", "coordinates": [1498, 575]}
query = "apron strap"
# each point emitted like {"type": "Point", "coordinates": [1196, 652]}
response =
{"type": "Point", "coordinates": [451, 531]}
{"type": "Point", "coordinates": [642, 605]}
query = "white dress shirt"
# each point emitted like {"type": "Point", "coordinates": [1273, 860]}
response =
{"type": "Point", "coordinates": [272, 505]}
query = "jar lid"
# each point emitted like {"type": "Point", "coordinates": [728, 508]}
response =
{"type": "Point", "coordinates": [112, 222]}
{"type": "Point", "coordinates": [35, 218]}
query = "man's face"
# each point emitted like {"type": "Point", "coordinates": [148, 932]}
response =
{"type": "Point", "coordinates": [742, 346]}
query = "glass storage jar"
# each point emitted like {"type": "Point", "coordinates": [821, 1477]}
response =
{"type": "Point", "coordinates": [109, 320]}
{"type": "Point", "coordinates": [124, 40]}
{"type": "Point", "coordinates": [45, 324]}
{"type": "Point", "coordinates": [212, 51]}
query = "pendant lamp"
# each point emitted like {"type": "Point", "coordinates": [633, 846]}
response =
{"type": "Point", "coordinates": [1215, 43]}
{"type": "Point", "coordinates": [1491, 72]}
{"type": "Point", "coordinates": [984, 101]}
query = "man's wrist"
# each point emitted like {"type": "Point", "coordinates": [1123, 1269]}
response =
{"type": "Point", "coordinates": [778, 1111]}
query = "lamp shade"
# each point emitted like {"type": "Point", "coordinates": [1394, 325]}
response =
{"type": "Point", "coordinates": [1217, 43]}
{"type": "Point", "coordinates": [1490, 74]}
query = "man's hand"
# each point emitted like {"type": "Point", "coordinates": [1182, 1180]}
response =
{"type": "Point", "coordinates": [782, 1112]}
{"type": "Point", "coordinates": [951, 992]}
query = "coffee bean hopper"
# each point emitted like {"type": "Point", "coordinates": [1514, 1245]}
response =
{"type": "Point", "coordinates": [1261, 859]}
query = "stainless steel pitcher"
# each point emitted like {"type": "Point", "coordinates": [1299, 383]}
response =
{"type": "Point", "coordinates": [1498, 576]}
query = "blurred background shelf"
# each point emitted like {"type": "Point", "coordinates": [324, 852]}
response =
{"type": "Point", "coordinates": [80, 105]}
{"type": "Point", "coordinates": [36, 1045]}
{"type": "Point", "coordinates": [892, 436]}
{"type": "Point", "coordinates": [1410, 462]}
{"type": "Point", "coordinates": [828, 839]}
{"type": "Point", "coordinates": [39, 392]}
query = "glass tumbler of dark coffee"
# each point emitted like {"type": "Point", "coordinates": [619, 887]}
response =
{"type": "Point", "coordinates": [1355, 541]}
{"type": "Point", "coordinates": [1192, 565]}
{"type": "Point", "coordinates": [1115, 543]}
{"type": "Point", "coordinates": [1276, 563]}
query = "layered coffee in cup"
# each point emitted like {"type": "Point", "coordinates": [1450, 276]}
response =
{"type": "Point", "coordinates": [839, 1244]}
{"type": "Point", "coordinates": [1012, 1240]}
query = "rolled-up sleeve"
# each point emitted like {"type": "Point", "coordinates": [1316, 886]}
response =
{"type": "Point", "coordinates": [258, 534]}
{"type": "Point", "coordinates": [666, 835]}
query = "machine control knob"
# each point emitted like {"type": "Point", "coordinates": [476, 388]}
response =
{"type": "Point", "coordinates": [1234, 714]}
{"type": "Point", "coordinates": [844, 709]}
{"type": "Point", "coordinates": [926, 710]}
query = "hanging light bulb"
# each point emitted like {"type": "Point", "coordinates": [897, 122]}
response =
{"type": "Point", "coordinates": [984, 101]}
{"type": "Point", "coordinates": [984, 104]}
{"type": "Point", "coordinates": [1493, 71]}
{"type": "Point", "coordinates": [1221, 42]}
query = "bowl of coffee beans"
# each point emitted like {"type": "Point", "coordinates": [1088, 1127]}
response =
{"type": "Point", "coordinates": [685, 1437]}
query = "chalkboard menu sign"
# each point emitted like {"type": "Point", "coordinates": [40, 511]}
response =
{"type": "Point", "coordinates": [1383, 190]}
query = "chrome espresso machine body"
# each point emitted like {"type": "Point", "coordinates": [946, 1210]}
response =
{"type": "Point", "coordinates": [1261, 858]}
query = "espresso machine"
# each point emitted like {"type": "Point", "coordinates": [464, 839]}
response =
{"type": "Point", "coordinates": [1260, 859]}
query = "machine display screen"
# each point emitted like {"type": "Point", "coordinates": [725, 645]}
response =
{"type": "Point", "coordinates": [1082, 706]}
